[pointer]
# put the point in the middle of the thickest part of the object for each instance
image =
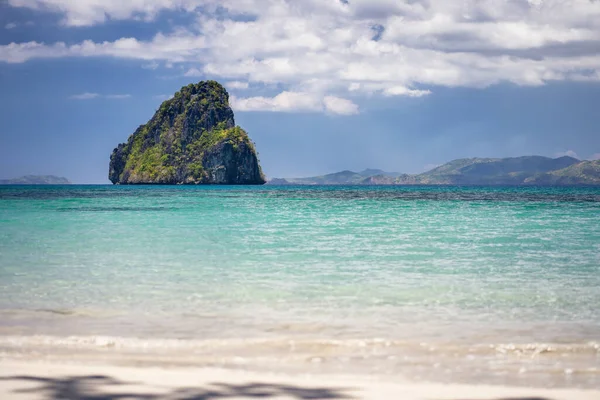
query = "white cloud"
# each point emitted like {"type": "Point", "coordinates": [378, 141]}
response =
{"type": "Point", "coordinates": [403, 91]}
{"type": "Point", "coordinates": [89, 96]}
{"type": "Point", "coordinates": [337, 105]}
{"type": "Point", "coordinates": [295, 102]}
{"type": "Point", "coordinates": [194, 72]}
{"type": "Point", "coordinates": [92, 12]}
{"type": "Point", "coordinates": [236, 85]}
{"type": "Point", "coordinates": [177, 47]}
{"type": "Point", "coordinates": [13, 25]}
{"type": "Point", "coordinates": [283, 102]}
{"type": "Point", "coordinates": [312, 49]}
{"type": "Point", "coordinates": [85, 96]}
{"type": "Point", "coordinates": [118, 96]}
{"type": "Point", "coordinates": [568, 153]}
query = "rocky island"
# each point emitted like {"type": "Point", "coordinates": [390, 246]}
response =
{"type": "Point", "coordinates": [36, 180]}
{"type": "Point", "coordinates": [191, 139]}
{"type": "Point", "coordinates": [513, 171]}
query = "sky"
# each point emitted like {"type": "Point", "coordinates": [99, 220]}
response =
{"type": "Point", "coordinates": [319, 85]}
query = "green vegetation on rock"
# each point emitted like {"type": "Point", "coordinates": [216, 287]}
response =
{"type": "Point", "coordinates": [583, 173]}
{"type": "Point", "coordinates": [191, 139]}
{"type": "Point", "coordinates": [492, 171]}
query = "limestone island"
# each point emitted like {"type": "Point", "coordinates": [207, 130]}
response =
{"type": "Point", "coordinates": [191, 139]}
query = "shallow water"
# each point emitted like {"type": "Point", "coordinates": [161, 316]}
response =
{"type": "Point", "coordinates": [439, 283]}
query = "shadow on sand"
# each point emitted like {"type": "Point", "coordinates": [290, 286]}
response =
{"type": "Point", "coordinates": [99, 387]}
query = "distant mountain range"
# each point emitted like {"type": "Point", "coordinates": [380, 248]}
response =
{"type": "Point", "coordinates": [527, 170]}
{"type": "Point", "coordinates": [36, 180]}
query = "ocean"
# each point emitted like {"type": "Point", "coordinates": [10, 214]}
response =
{"type": "Point", "coordinates": [446, 284]}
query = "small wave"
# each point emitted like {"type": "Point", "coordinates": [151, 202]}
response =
{"type": "Point", "coordinates": [57, 311]}
{"type": "Point", "coordinates": [573, 365]}
{"type": "Point", "coordinates": [27, 312]}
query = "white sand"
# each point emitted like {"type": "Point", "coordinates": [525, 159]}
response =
{"type": "Point", "coordinates": [31, 380]}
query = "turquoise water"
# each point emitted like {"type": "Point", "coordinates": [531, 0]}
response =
{"type": "Point", "coordinates": [438, 283]}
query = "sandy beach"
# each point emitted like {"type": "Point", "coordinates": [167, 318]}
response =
{"type": "Point", "coordinates": [36, 380]}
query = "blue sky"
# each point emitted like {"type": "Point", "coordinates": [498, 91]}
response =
{"type": "Point", "coordinates": [320, 86]}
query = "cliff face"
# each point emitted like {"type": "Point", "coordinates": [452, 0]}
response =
{"type": "Point", "coordinates": [228, 162]}
{"type": "Point", "coordinates": [191, 139]}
